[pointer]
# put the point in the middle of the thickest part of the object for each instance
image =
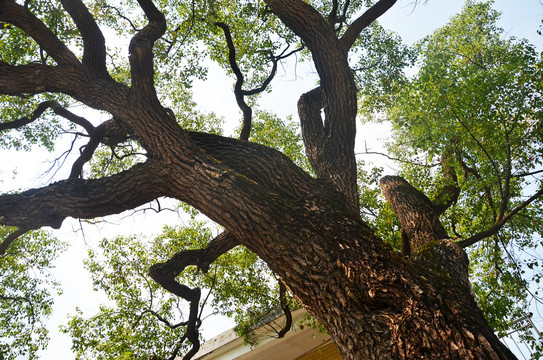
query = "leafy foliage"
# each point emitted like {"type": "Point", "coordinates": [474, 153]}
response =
{"type": "Point", "coordinates": [142, 319]}
{"type": "Point", "coordinates": [474, 106]}
{"type": "Point", "coordinates": [26, 293]}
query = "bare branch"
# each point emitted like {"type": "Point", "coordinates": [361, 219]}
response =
{"type": "Point", "coordinates": [246, 109]}
{"type": "Point", "coordinates": [19, 16]}
{"type": "Point", "coordinates": [527, 174]}
{"type": "Point", "coordinates": [120, 14]}
{"type": "Point", "coordinates": [27, 120]}
{"type": "Point", "coordinates": [496, 227]}
{"type": "Point", "coordinates": [366, 151]}
{"type": "Point", "coordinates": [275, 60]}
{"type": "Point", "coordinates": [59, 110]}
{"type": "Point", "coordinates": [33, 79]}
{"type": "Point", "coordinates": [76, 119]}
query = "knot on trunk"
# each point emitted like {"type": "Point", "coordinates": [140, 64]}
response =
{"type": "Point", "coordinates": [447, 259]}
{"type": "Point", "coordinates": [114, 133]}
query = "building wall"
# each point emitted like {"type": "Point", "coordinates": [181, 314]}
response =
{"type": "Point", "coordinates": [326, 352]}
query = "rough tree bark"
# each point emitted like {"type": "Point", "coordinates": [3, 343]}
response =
{"type": "Point", "coordinates": [376, 303]}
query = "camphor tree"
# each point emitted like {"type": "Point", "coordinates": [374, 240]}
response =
{"type": "Point", "coordinates": [375, 302]}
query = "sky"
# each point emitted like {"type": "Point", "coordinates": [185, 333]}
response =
{"type": "Point", "coordinates": [521, 18]}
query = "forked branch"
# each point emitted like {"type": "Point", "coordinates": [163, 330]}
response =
{"type": "Point", "coordinates": [497, 226]}
{"type": "Point", "coordinates": [418, 216]}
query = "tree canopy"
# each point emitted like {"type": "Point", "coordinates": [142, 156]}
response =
{"type": "Point", "coordinates": [295, 207]}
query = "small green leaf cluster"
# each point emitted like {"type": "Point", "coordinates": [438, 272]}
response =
{"type": "Point", "coordinates": [283, 135]}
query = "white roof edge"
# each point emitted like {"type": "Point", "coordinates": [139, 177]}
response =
{"type": "Point", "coordinates": [229, 339]}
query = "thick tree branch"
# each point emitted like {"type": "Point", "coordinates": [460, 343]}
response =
{"type": "Point", "coordinates": [349, 38]}
{"type": "Point", "coordinates": [423, 234]}
{"type": "Point", "coordinates": [337, 159]}
{"type": "Point", "coordinates": [94, 46]}
{"type": "Point", "coordinates": [83, 199]}
{"type": "Point", "coordinates": [496, 227]}
{"type": "Point", "coordinates": [309, 110]}
{"type": "Point", "coordinates": [34, 79]}
{"type": "Point", "coordinates": [141, 53]}
{"type": "Point", "coordinates": [418, 217]}
{"type": "Point", "coordinates": [11, 12]}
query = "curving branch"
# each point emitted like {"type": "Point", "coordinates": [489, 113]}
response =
{"type": "Point", "coordinates": [94, 45]}
{"type": "Point", "coordinates": [83, 199]}
{"type": "Point", "coordinates": [336, 159]}
{"type": "Point", "coordinates": [238, 88]}
{"type": "Point", "coordinates": [109, 133]}
{"type": "Point", "coordinates": [362, 22]}
{"type": "Point", "coordinates": [11, 238]}
{"type": "Point", "coordinates": [274, 59]}
{"type": "Point", "coordinates": [12, 13]}
{"type": "Point", "coordinates": [286, 310]}
{"type": "Point", "coordinates": [165, 274]}
{"type": "Point", "coordinates": [27, 120]}
{"type": "Point", "coordinates": [32, 320]}
{"type": "Point", "coordinates": [59, 110]}
{"type": "Point", "coordinates": [246, 109]}
{"type": "Point", "coordinates": [141, 53]}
